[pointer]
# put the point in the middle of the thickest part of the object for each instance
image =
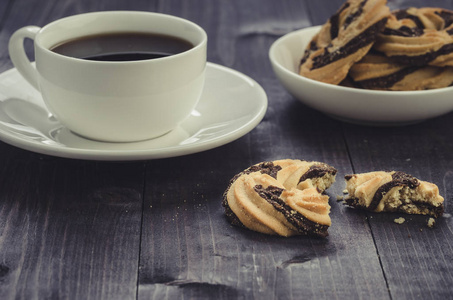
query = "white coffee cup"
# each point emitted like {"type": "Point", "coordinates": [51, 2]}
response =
{"type": "Point", "coordinates": [114, 101]}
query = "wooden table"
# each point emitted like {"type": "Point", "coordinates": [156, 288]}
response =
{"type": "Point", "coordinates": [155, 229]}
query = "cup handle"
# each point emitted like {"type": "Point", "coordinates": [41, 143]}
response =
{"type": "Point", "coordinates": [19, 57]}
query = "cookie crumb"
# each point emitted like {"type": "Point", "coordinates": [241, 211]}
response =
{"type": "Point", "coordinates": [431, 222]}
{"type": "Point", "coordinates": [400, 220]}
{"type": "Point", "coordinates": [340, 198]}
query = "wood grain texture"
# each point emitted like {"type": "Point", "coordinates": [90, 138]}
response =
{"type": "Point", "coordinates": [65, 225]}
{"type": "Point", "coordinates": [416, 259]}
{"type": "Point", "coordinates": [69, 229]}
{"type": "Point", "coordinates": [73, 229]}
{"type": "Point", "coordinates": [189, 250]}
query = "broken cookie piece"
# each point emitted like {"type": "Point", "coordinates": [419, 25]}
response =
{"type": "Point", "coordinates": [394, 191]}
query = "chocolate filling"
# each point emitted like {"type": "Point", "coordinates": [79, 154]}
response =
{"type": "Point", "coordinates": [398, 179]}
{"type": "Point", "coordinates": [231, 216]}
{"type": "Point", "coordinates": [406, 179]}
{"type": "Point", "coordinates": [335, 22]}
{"type": "Point", "coordinates": [388, 81]}
{"type": "Point", "coordinates": [447, 16]}
{"type": "Point", "coordinates": [402, 14]}
{"type": "Point", "coordinates": [305, 226]}
{"type": "Point", "coordinates": [424, 59]}
{"type": "Point", "coordinates": [435, 211]}
{"type": "Point", "coordinates": [270, 193]}
{"type": "Point", "coordinates": [317, 171]}
{"type": "Point", "coordinates": [348, 177]}
{"type": "Point", "coordinates": [404, 31]}
{"type": "Point", "coordinates": [311, 48]}
{"type": "Point", "coordinates": [354, 16]}
{"type": "Point", "coordinates": [365, 38]}
{"type": "Point", "coordinates": [354, 202]}
{"type": "Point", "coordinates": [265, 168]}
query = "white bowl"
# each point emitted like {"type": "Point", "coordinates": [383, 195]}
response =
{"type": "Point", "coordinates": [351, 104]}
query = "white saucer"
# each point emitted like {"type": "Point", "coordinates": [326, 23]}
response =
{"type": "Point", "coordinates": [232, 105]}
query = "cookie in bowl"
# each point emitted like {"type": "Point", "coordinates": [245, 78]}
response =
{"type": "Point", "coordinates": [388, 97]}
{"type": "Point", "coordinates": [378, 72]}
{"type": "Point", "coordinates": [346, 37]}
{"type": "Point", "coordinates": [418, 37]}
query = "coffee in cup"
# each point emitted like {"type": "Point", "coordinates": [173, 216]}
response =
{"type": "Point", "coordinates": [117, 76]}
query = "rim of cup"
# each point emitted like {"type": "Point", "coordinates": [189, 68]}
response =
{"type": "Point", "coordinates": [195, 47]}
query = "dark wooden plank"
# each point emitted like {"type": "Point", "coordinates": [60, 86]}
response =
{"type": "Point", "coordinates": [66, 225]}
{"type": "Point", "coordinates": [420, 3]}
{"type": "Point", "coordinates": [416, 259]}
{"type": "Point", "coordinates": [230, 22]}
{"type": "Point", "coordinates": [4, 10]}
{"type": "Point", "coordinates": [188, 248]}
{"type": "Point", "coordinates": [69, 229]}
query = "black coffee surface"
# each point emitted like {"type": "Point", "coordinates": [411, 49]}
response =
{"type": "Point", "coordinates": [129, 46]}
{"type": "Point", "coordinates": [126, 56]}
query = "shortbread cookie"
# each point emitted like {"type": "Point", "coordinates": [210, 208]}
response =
{"type": "Point", "coordinates": [344, 40]}
{"type": "Point", "coordinates": [393, 192]}
{"type": "Point", "coordinates": [378, 72]}
{"type": "Point", "coordinates": [282, 197]}
{"type": "Point", "coordinates": [419, 36]}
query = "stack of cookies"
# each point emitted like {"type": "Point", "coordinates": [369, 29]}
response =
{"type": "Point", "coordinates": [364, 45]}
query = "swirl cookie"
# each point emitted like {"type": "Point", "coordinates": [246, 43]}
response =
{"type": "Point", "coordinates": [343, 40]}
{"type": "Point", "coordinates": [393, 192]}
{"type": "Point", "coordinates": [378, 72]}
{"type": "Point", "coordinates": [418, 36]}
{"type": "Point", "coordinates": [282, 197]}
